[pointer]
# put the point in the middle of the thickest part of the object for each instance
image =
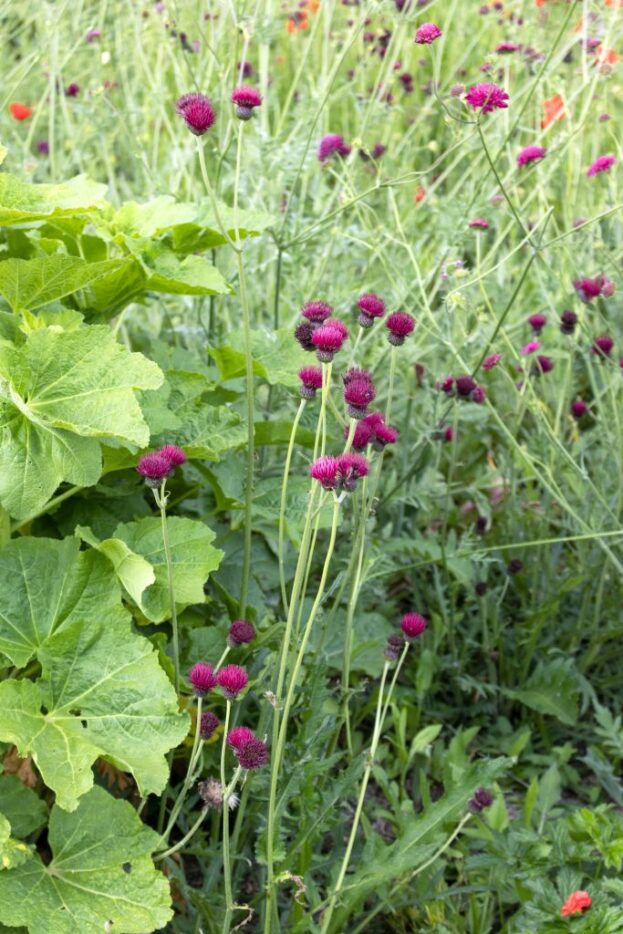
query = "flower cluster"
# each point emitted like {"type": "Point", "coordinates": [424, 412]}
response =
{"type": "Point", "coordinates": [319, 332]}
{"type": "Point", "coordinates": [339, 473]}
{"type": "Point", "coordinates": [159, 465]}
{"type": "Point", "coordinates": [372, 430]}
{"type": "Point", "coordinates": [332, 144]}
{"type": "Point", "coordinates": [465, 387]}
{"type": "Point", "coordinates": [587, 289]}
{"type": "Point", "coordinates": [412, 625]}
{"type": "Point", "coordinates": [250, 751]}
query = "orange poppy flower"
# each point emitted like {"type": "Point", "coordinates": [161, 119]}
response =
{"type": "Point", "coordinates": [576, 904]}
{"type": "Point", "coordinates": [20, 111]}
{"type": "Point", "coordinates": [606, 56]}
{"type": "Point", "coordinates": [554, 109]}
{"type": "Point", "coordinates": [297, 22]}
{"type": "Point", "coordinates": [613, 3]}
{"type": "Point", "coordinates": [420, 194]}
{"type": "Point", "coordinates": [312, 5]}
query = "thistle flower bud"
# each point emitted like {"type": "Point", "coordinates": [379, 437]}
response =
{"type": "Point", "coordinates": [232, 679]}
{"type": "Point", "coordinates": [241, 632]}
{"type": "Point", "coordinates": [481, 800]}
{"type": "Point", "coordinates": [197, 112]}
{"type": "Point", "coordinates": [400, 325]}
{"type": "Point", "coordinates": [202, 678]}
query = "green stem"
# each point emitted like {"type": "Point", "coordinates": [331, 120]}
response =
{"type": "Point", "coordinates": [161, 501]}
{"type": "Point", "coordinates": [229, 899]}
{"type": "Point", "coordinates": [178, 846]}
{"type": "Point", "coordinates": [190, 774]}
{"type": "Point", "coordinates": [282, 507]}
{"type": "Point", "coordinates": [501, 184]}
{"type": "Point", "coordinates": [278, 747]}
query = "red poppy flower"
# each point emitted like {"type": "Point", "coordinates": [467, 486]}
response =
{"type": "Point", "coordinates": [20, 111]}
{"type": "Point", "coordinates": [576, 904]}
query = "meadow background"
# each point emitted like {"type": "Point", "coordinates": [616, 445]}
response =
{"type": "Point", "coordinates": [497, 517]}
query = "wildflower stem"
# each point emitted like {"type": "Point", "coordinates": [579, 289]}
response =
{"type": "Point", "coordinates": [376, 734]}
{"type": "Point", "coordinates": [390, 388]}
{"type": "Point", "coordinates": [501, 184]}
{"type": "Point", "coordinates": [278, 747]}
{"type": "Point", "coordinates": [246, 564]}
{"type": "Point", "coordinates": [350, 612]}
{"type": "Point", "coordinates": [351, 434]}
{"type": "Point", "coordinates": [211, 195]}
{"type": "Point", "coordinates": [182, 843]}
{"type": "Point", "coordinates": [282, 506]}
{"type": "Point", "coordinates": [222, 658]}
{"type": "Point", "coordinates": [192, 762]}
{"type": "Point", "coordinates": [161, 501]}
{"type": "Point", "coordinates": [229, 899]}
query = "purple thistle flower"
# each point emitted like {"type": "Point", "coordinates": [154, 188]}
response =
{"type": "Point", "coordinates": [393, 648]}
{"type": "Point", "coordinates": [174, 455]}
{"type": "Point", "coordinates": [543, 365]}
{"type": "Point", "coordinates": [43, 147]}
{"type": "Point", "coordinates": [531, 154]}
{"type": "Point", "coordinates": [364, 432]}
{"type": "Point", "coordinates": [311, 379]}
{"type": "Point", "coordinates": [479, 223]}
{"type": "Point", "coordinates": [478, 395]}
{"type": "Point", "coordinates": [239, 736]}
{"type": "Point", "coordinates": [481, 800]}
{"type": "Point", "coordinates": [358, 394]}
{"type": "Point", "coordinates": [465, 386]}
{"type": "Point", "coordinates": [350, 468]}
{"type": "Point", "coordinates": [202, 678]}
{"type": "Point", "coordinates": [400, 325]}
{"type": "Point", "coordinates": [370, 307]}
{"type": "Point", "coordinates": [602, 164]}
{"type": "Point", "coordinates": [413, 625]}
{"type": "Point", "coordinates": [578, 408]}
{"type": "Point", "coordinates": [327, 339]}
{"type": "Point", "coordinates": [92, 35]}
{"type": "Point", "coordinates": [330, 144]}
{"type": "Point", "coordinates": [246, 100]}
{"type": "Point", "coordinates": [72, 90]}
{"type": "Point", "coordinates": [506, 47]}
{"type": "Point", "coordinates": [324, 470]}
{"type": "Point", "coordinates": [530, 347]}
{"type": "Point", "coordinates": [446, 385]}
{"type": "Point", "coordinates": [232, 679]}
{"type": "Point", "coordinates": [489, 362]}
{"type": "Point", "coordinates": [154, 468]}
{"type": "Point", "coordinates": [383, 435]}
{"type": "Point", "coordinates": [252, 754]}
{"type": "Point", "coordinates": [602, 346]}
{"type": "Point", "coordinates": [209, 724]}
{"type": "Point", "coordinates": [355, 373]}
{"type": "Point", "coordinates": [427, 33]}
{"type": "Point", "coordinates": [241, 632]}
{"type": "Point", "coordinates": [487, 97]}
{"type": "Point", "coordinates": [481, 587]}
{"type": "Point", "coordinates": [537, 322]}
{"type": "Point", "coordinates": [448, 434]}
{"type": "Point", "coordinates": [197, 112]}
{"type": "Point", "coordinates": [316, 312]}
{"type": "Point", "coordinates": [568, 321]}
{"type": "Point", "coordinates": [588, 289]}
{"type": "Point", "coordinates": [303, 334]}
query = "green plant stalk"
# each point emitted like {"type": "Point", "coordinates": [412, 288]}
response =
{"type": "Point", "coordinates": [182, 843]}
{"type": "Point", "coordinates": [376, 735]}
{"type": "Point", "coordinates": [277, 752]}
{"type": "Point", "coordinates": [350, 612]}
{"type": "Point", "coordinates": [282, 506]}
{"type": "Point", "coordinates": [351, 434]}
{"type": "Point", "coordinates": [229, 898]}
{"type": "Point", "coordinates": [161, 501]}
{"type": "Point", "coordinates": [190, 774]}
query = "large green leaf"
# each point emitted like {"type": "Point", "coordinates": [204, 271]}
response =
{"type": "Point", "coordinates": [133, 571]}
{"type": "Point", "coordinates": [24, 809]}
{"type": "Point", "coordinates": [277, 357]}
{"type": "Point", "coordinates": [552, 689]}
{"type": "Point", "coordinates": [30, 283]}
{"type": "Point", "coordinates": [60, 394]}
{"type": "Point", "coordinates": [166, 272]}
{"type": "Point", "coordinates": [13, 853]}
{"type": "Point", "coordinates": [193, 558]}
{"type": "Point", "coordinates": [22, 202]}
{"type": "Point", "coordinates": [47, 584]}
{"type": "Point", "coordinates": [102, 693]}
{"type": "Point", "coordinates": [101, 876]}
{"type": "Point", "coordinates": [205, 230]}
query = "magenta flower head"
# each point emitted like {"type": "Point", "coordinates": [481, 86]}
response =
{"type": "Point", "coordinates": [537, 322]}
{"type": "Point", "coordinates": [478, 395]}
{"type": "Point", "coordinates": [370, 307]}
{"type": "Point", "coordinates": [355, 373]}
{"type": "Point", "coordinates": [578, 408]}
{"type": "Point", "coordinates": [543, 365]}
{"type": "Point", "coordinates": [202, 678]}
{"type": "Point", "coordinates": [529, 348]}
{"type": "Point", "coordinates": [602, 164]}
{"type": "Point", "coordinates": [154, 468]}
{"type": "Point", "coordinates": [531, 154]}
{"type": "Point", "coordinates": [311, 381]}
{"type": "Point", "coordinates": [465, 386]}
{"type": "Point", "coordinates": [413, 625]}
{"type": "Point", "coordinates": [504, 48]}
{"type": "Point", "coordinates": [197, 111]}
{"type": "Point", "coordinates": [252, 754]}
{"type": "Point", "coordinates": [239, 736]}
{"type": "Point", "coordinates": [479, 223]}
{"type": "Point", "coordinates": [241, 632]}
{"type": "Point", "coordinates": [427, 33]}
{"type": "Point", "coordinates": [92, 35]}
{"type": "Point", "coordinates": [174, 455]}
{"type": "Point", "coordinates": [232, 679]}
{"type": "Point", "coordinates": [324, 470]}
{"type": "Point", "coordinates": [72, 90]}
{"type": "Point", "coordinates": [303, 334]}
{"type": "Point", "coordinates": [481, 800]}
{"type": "Point", "coordinates": [316, 312]}
{"type": "Point", "coordinates": [358, 394]}
{"type": "Point", "coordinates": [383, 435]}
{"type": "Point", "coordinates": [602, 346]}
{"type": "Point", "coordinates": [568, 321]}
{"type": "Point", "coordinates": [588, 289]}
{"type": "Point", "coordinates": [487, 97]}
{"type": "Point", "coordinates": [330, 144]}
{"type": "Point", "coordinates": [400, 325]}
{"type": "Point", "coordinates": [327, 339]}
{"type": "Point", "coordinates": [208, 725]}
{"type": "Point", "coordinates": [246, 100]}
{"type": "Point", "coordinates": [350, 468]}
{"type": "Point", "coordinates": [364, 433]}
{"type": "Point", "coordinates": [489, 362]}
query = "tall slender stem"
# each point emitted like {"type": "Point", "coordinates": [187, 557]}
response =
{"type": "Point", "coordinates": [282, 507]}
{"type": "Point", "coordinates": [248, 500]}
{"type": "Point", "coordinates": [161, 501]}
{"type": "Point", "coordinates": [229, 898]}
{"type": "Point", "coordinates": [192, 762]}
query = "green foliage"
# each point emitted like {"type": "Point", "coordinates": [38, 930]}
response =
{"type": "Point", "coordinates": [101, 872]}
